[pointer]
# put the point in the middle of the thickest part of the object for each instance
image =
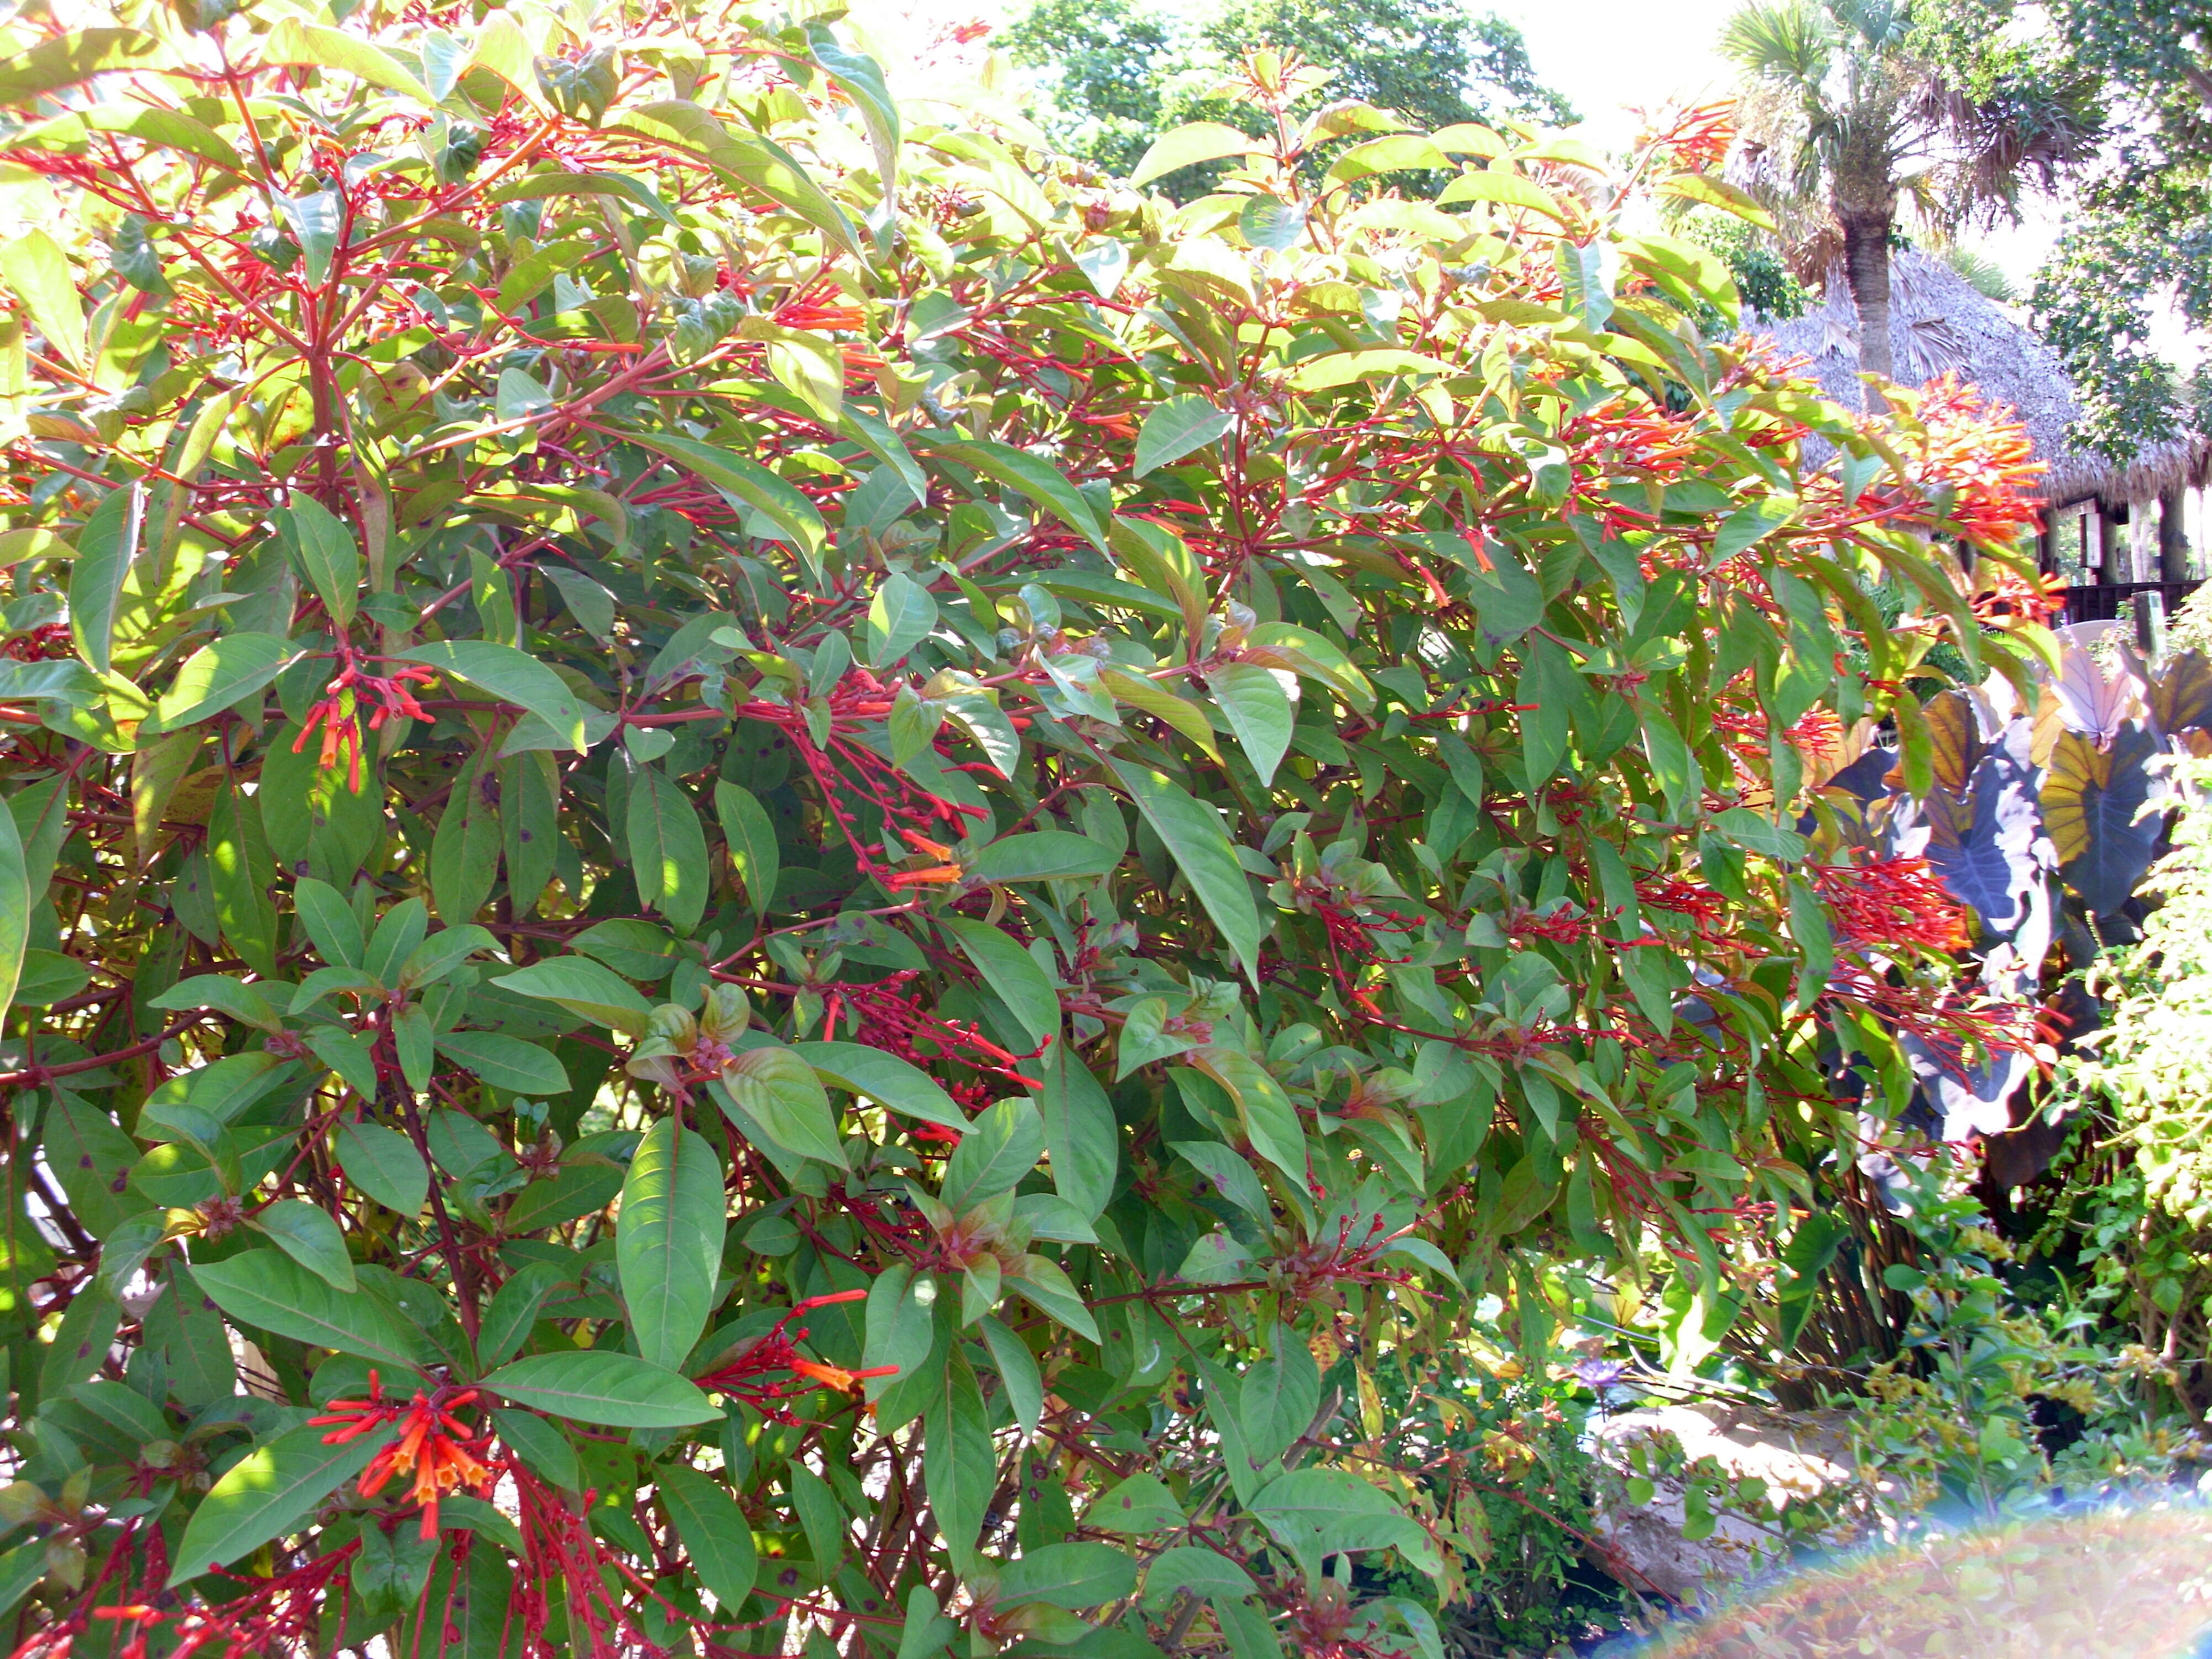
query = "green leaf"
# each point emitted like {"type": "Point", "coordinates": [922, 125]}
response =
{"type": "Point", "coordinates": [899, 1328]}
{"type": "Point", "coordinates": [1258, 711]}
{"type": "Point", "coordinates": [306, 1232]}
{"type": "Point", "coordinates": [69, 60]}
{"type": "Point", "coordinates": [894, 1084]}
{"type": "Point", "coordinates": [243, 876]}
{"type": "Point", "coordinates": [585, 989]}
{"type": "Point", "coordinates": [1042, 855]}
{"type": "Point", "coordinates": [1001, 1147]}
{"type": "Point", "coordinates": [1202, 1571]}
{"type": "Point", "coordinates": [668, 1244]}
{"type": "Point", "coordinates": [1756, 834]}
{"type": "Point", "coordinates": [324, 548]}
{"type": "Point", "coordinates": [218, 675]}
{"type": "Point", "coordinates": [1267, 223]}
{"type": "Point", "coordinates": [316, 221]}
{"type": "Point", "coordinates": [779, 1091]}
{"type": "Point", "coordinates": [748, 483]}
{"type": "Point", "coordinates": [1010, 972]}
{"type": "Point", "coordinates": [667, 849]}
{"type": "Point", "coordinates": [542, 1446]}
{"type": "Point", "coordinates": [1317, 1512]}
{"type": "Point", "coordinates": [383, 1164]}
{"type": "Point", "coordinates": [959, 1464]}
{"type": "Point", "coordinates": [512, 676]}
{"type": "Point", "coordinates": [715, 1532]}
{"type": "Point", "coordinates": [881, 440]}
{"type": "Point", "coordinates": [1269, 1119]}
{"type": "Point", "coordinates": [1340, 368]}
{"type": "Point", "coordinates": [38, 272]}
{"type": "Point", "coordinates": [1718, 193]}
{"type": "Point", "coordinates": [862, 79]}
{"type": "Point", "coordinates": [106, 547]}
{"type": "Point", "coordinates": [1148, 696]}
{"type": "Point", "coordinates": [1175, 429]}
{"type": "Point", "coordinates": [294, 41]}
{"type": "Point", "coordinates": [506, 1062]}
{"type": "Point", "coordinates": [1048, 1288]}
{"type": "Point", "coordinates": [537, 185]}
{"type": "Point", "coordinates": [1188, 145]}
{"type": "Point", "coordinates": [615, 1390]}
{"type": "Point", "coordinates": [16, 915]}
{"type": "Point", "coordinates": [750, 835]}
{"type": "Point", "coordinates": [900, 616]}
{"type": "Point", "coordinates": [330, 921]}
{"type": "Point", "coordinates": [1194, 837]}
{"type": "Point", "coordinates": [1673, 767]}
{"type": "Point", "coordinates": [267, 1289]}
{"type": "Point", "coordinates": [744, 157]}
{"type": "Point", "coordinates": [1140, 1504]}
{"type": "Point", "coordinates": [1070, 1576]}
{"type": "Point", "coordinates": [1080, 1132]}
{"type": "Point", "coordinates": [269, 1492]}
{"type": "Point", "coordinates": [1018, 1374]}
{"type": "Point", "coordinates": [520, 397]}
{"type": "Point", "coordinates": [1040, 481]}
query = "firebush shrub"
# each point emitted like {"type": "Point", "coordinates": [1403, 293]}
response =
{"type": "Point", "coordinates": [779, 878]}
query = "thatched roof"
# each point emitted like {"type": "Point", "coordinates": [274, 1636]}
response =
{"type": "Point", "coordinates": [1939, 322]}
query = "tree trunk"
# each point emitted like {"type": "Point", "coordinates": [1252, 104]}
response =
{"type": "Point", "coordinates": [1866, 267]}
{"type": "Point", "coordinates": [2172, 536]}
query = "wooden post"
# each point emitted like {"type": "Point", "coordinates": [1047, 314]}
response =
{"type": "Point", "coordinates": [2112, 546]}
{"type": "Point", "coordinates": [2173, 561]}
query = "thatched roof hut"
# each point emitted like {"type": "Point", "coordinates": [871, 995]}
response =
{"type": "Point", "coordinates": [1939, 322]}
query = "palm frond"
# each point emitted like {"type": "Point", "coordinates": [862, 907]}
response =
{"type": "Point", "coordinates": [1791, 40]}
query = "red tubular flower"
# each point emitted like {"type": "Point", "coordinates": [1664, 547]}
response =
{"type": "Point", "coordinates": [886, 1016]}
{"type": "Point", "coordinates": [811, 309]}
{"type": "Point", "coordinates": [434, 1445]}
{"type": "Point", "coordinates": [770, 1370]}
{"type": "Point", "coordinates": [1981, 453]}
{"type": "Point", "coordinates": [1890, 902]}
{"type": "Point", "coordinates": [1697, 138]}
{"type": "Point", "coordinates": [2007, 595]}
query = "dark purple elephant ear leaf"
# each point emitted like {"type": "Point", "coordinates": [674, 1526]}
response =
{"type": "Point", "coordinates": [1972, 1094]}
{"type": "Point", "coordinates": [1987, 849]}
{"type": "Point", "coordinates": [1865, 778]}
{"type": "Point", "coordinates": [2093, 802]}
{"type": "Point", "coordinates": [2180, 699]}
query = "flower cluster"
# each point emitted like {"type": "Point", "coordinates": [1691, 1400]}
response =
{"type": "Point", "coordinates": [335, 711]}
{"type": "Point", "coordinates": [433, 1444]}
{"type": "Point", "coordinates": [1886, 903]}
{"type": "Point", "coordinates": [770, 1370]}
{"type": "Point", "coordinates": [888, 1015]}
{"type": "Point", "coordinates": [1980, 454]}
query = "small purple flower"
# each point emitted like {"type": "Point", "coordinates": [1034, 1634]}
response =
{"type": "Point", "coordinates": [1599, 1373]}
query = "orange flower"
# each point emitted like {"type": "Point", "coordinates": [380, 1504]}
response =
{"type": "Point", "coordinates": [1982, 454]}
{"type": "Point", "coordinates": [434, 1445]}
{"type": "Point", "coordinates": [945, 871]}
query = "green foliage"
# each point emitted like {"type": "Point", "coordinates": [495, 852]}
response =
{"type": "Point", "coordinates": [2135, 232]}
{"type": "Point", "coordinates": [753, 925]}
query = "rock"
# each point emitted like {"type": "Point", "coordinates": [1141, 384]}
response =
{"type": "Point", "coordinates": [1799, 1456]}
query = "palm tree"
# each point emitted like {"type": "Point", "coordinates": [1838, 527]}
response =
{"type": "Point", "coordinates": [1849, 118]}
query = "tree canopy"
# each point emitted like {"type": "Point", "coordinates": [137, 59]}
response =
{"type": "Point", "coordinates": [1118, 76]}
